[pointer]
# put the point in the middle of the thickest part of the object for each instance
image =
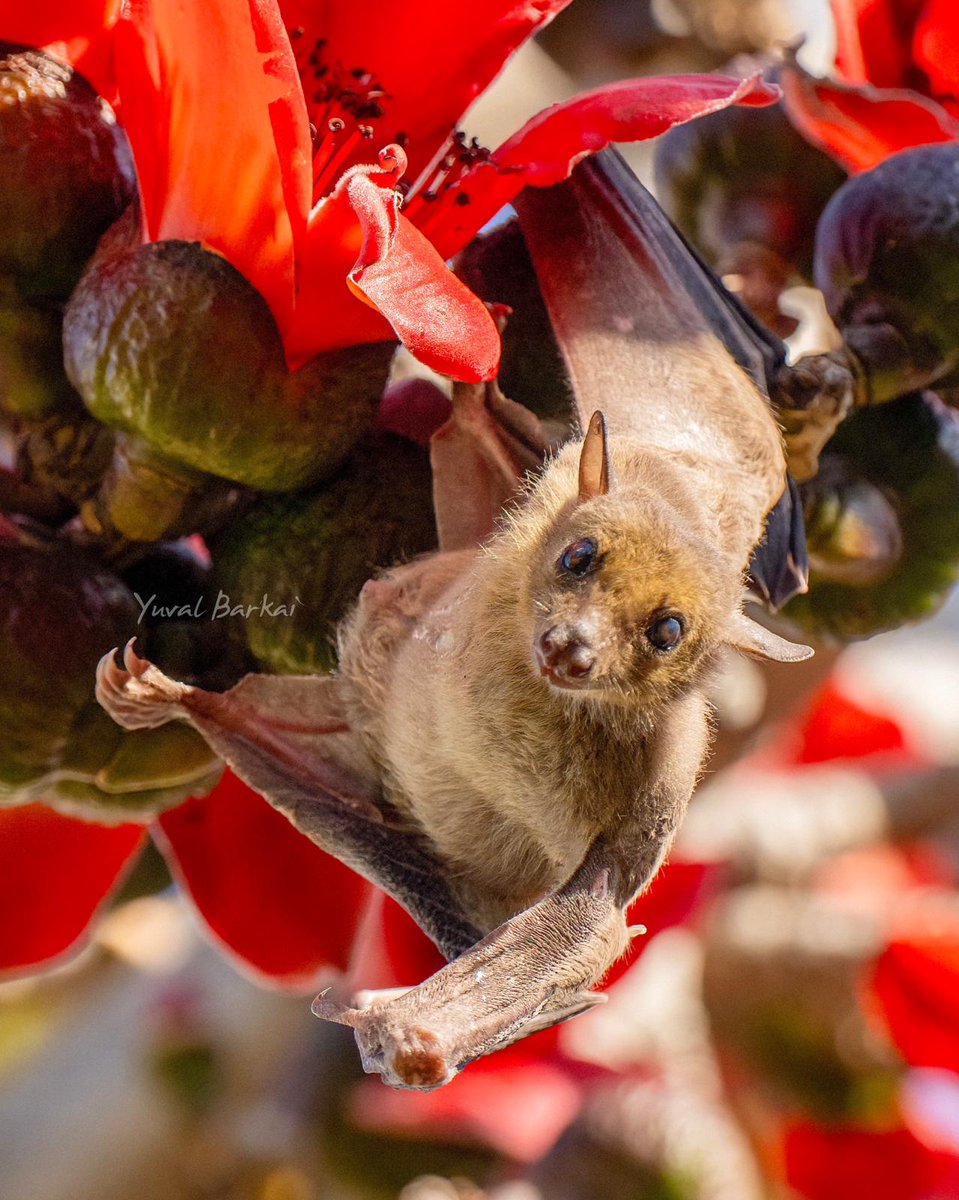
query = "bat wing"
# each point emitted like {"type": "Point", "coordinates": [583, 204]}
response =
{"type": "Point", "coordinates": [289, 738]}
{"type": "Point", "coordinates": [602, 236]}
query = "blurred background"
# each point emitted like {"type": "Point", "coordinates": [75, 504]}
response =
{"type": "Point", "coordinates": [789, 1025]}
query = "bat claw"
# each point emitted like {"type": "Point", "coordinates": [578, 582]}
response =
{"type": "Point", "coordinates": [138, 695]}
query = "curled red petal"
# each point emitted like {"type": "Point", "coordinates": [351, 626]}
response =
{"type": "Point", "coordinates": [214, 111]}
{"type": "Point", "coordinates": [281, 905]}
{"type": "Point", "coordinates": [55, 874]}
{"type": "Point", "coordinates": [434, 314]}
{"type": "Point", "coordinates": [862, 126]}
{"type": "Point", "coordinates": [549, 146]}
{"type": "Point", "coordinates": [432, 59]}
{"type": "Point", "coordinates": [360, 247]}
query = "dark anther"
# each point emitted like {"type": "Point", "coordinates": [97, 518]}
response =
{"type": "Point", "coordinates": [461, 198]}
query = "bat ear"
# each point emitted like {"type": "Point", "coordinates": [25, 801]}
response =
{"type": "Point", "coordinates": [753, 639]}
{"type": "Point", "coordinates": [595, 468]}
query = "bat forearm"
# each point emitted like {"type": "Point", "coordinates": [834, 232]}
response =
{"type": "Point", "coordinates": [534, 971]}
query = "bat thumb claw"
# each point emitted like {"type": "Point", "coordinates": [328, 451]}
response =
{"type": "Point", "coordinates": [137, 694]}
{"type": "Point", "coordinates": [328, 1009]}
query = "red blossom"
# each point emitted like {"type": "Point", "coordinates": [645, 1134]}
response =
{"type": "Point", "coordinates": [279, 135]}
{"type": "Point", "coordinates": [896, 84]}
{"type": "Point", "coordinates": [914, 984]}
{"type": "Point", "coordinates": [838, 1162]}
{"type": "Point", "coordinates": [55, 874]}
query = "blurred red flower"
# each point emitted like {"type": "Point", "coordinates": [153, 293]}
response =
{"type": "Point", "coordinates": [896, 83]}
{"type": "Point", "coordinates": [837, 1162]}
{"type": "Point", "coordinates": [914, 984]}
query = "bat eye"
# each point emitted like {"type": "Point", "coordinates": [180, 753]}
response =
{"type": "Point", "coordinates": [666, 633]}
{"type": "Point", "coordinates": [580, 557]}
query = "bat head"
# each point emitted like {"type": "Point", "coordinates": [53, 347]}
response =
{"type": "Point", "coordinates": [629, 596]}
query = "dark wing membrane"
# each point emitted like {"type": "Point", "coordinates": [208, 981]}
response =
{"type": "Point", "coordinates": [601, 232]}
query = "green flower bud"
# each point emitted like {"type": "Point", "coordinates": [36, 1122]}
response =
{"type": "Point", "coordinates": [59, 613]}
{"type": "Point", "coordinates": [314, 551]}
{"type": "Point", "coordinates": [169, 342]}
{"type": "Point", "coordinates": [883, 520]}
{"type": "Point", "coordinates": [66, 172]}
{"type": "Point", "coordinates": [887, 261]}
{"type": "Point", "coordinates": [32, 380]}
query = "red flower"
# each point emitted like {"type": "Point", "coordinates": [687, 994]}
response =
{"type": "Point", "coordinates": [835, 1163]}
{"type": "Point", "coordinates": [914, 984]}
{"type": "Point", "coordinates": [76, 31]}
{"type": "Point", "coordinates": [897, 84]}
{"type": "Point", "coordinates": [279, 135]}
{"type": "Point", "coordinates": [282, 907]}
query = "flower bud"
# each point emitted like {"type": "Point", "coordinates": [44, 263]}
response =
{"type": "Point", "coordinates": [32, 380]}
{"type": "Point", "coordinates": [66, 172]}
{"type": "Point", "coordinates": [312, 553]}
{"type": "Point", "coordinates": [747, 190]}
{"type": "Point", "coordinates": [883, 520]}
{"type": "Point", "coordinates": [169, 342]}
{"type": "Point", "coordinates": [887, 262]}
{"type": "Point", "coordinates": [59, 612]}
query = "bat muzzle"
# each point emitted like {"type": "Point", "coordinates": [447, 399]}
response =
{"type": "Point", "coordinates": [565, 658]}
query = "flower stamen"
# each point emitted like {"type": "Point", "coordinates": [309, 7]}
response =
{"type": "Point", "coordinates": [343, 105]}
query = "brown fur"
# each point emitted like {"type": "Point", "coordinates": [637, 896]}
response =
{"type": "Point", "coordinates": [513, 778]}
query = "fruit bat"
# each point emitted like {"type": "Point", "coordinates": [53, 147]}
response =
{"type": "Point", "coordinates": [517, 721]}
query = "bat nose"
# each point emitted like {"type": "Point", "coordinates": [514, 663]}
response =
{"type": "Point", "coordinates": [564, 656]}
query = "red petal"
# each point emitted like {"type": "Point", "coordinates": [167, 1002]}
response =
{"type": "Point", "coordinates": [873, 40]}
{"type": "Point", "coordinates": [935, 46]}
{"type": "Point", "coordinates": [433, 58]}
{"type": "Point", "coordinates": [679, 891]}
{"type": "Point", "coordinates": [836, 1163]}
{"type": "Point", "coordinates": [214, 110]}
{"type": "Point", "coordinates": [55, 873]}
{"type": "Point", "coordinates": [836, 727]}
{"type": "Point", "coordinates": [862, 126]}
{"type": "Point", "coordinates": [390, 949]}
{"type": "Point", "coordinates": [360, 245]}
{"type": "Point", "coordinates": [272, 897]}
{"type": "Point", "coordinates": [75, 31]}
{"type": "Point", "coordinates": [915, 983]}
{"type": "Point", "coordinates": [549, 146]}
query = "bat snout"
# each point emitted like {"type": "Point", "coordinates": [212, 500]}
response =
{"type": "Point", "coordinates": [565, 656]}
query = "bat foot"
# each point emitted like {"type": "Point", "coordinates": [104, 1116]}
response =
{"type": "Point", "coordinates": [407, 1056]}
{"type": "Point", "coordinates": [138, 695]}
